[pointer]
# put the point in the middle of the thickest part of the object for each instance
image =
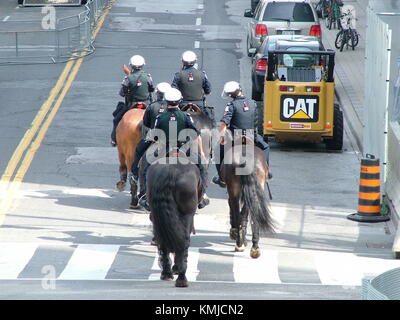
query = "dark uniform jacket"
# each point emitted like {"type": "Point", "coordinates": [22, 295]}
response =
{"type": "Point", "coordinates": [181, 119]}
{"type": "Point", "coordinates": [240, 113]}
{"type": "Point", "coordinates": [137, 87]}
{"type": "Point", "coordinates": [192, 83]}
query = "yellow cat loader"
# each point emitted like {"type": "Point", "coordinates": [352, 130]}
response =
{"type": "Point", "coordinates": [299, 98]}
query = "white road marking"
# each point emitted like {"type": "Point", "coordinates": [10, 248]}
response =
{"type": "Point", "coordinates": [6, 18]}
{"type": "Point", "coordinates": [90, 262]}
{"type": "Point", "coordinates": [338, 268]}
{"type": "Point", "coordinates": [191, 271]}
{"type": "Point", "coordinates": [261, 270]}
{"type": "Point", "coordinates": [198, 21]}
{"type": "Point", "coordinates": [14, 257]}
{"type": "Point", "coordinates": [197, 44]}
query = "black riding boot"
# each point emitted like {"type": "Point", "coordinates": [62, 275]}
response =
{"type": "Point", "coordinates": [118, 113]}
{"type": "Point", "coordinates": [217, 179]}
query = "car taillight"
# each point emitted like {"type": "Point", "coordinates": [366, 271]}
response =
{"type": "Point", "coordinates": [261, 30]}
{"type": "Point", "coordinates": [261, 65]}
{"type": "Point", "coordinates": [315, 30]}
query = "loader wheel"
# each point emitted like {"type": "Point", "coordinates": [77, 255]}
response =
{"type": "Point", "coordinates": [336, 143]}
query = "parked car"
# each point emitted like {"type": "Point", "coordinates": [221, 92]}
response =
{"type": "Point", "coordinates": [286, 17]}
{"type": "Point", "coordinates": [276, 42]}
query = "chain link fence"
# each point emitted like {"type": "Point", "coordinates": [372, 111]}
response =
{"type": "Point", "coordinates": [27, 41]}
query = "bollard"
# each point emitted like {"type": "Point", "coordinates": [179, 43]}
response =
{"type": "Point", "coordinates": [369, 196]}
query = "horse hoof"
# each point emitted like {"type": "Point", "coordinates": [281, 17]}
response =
{"type": "Point", "coordinates": [166, 276]}
{"type": "Point", "coordinates": [181, 282]}
{"type": "Point", "coordinates": [240, 249]}
{"type": "Point", "coordinates": [133, 206]}
{"type": "Point", "coordinates": [255, 253]}
{"type": "Point", "coordinates": [121, 186]}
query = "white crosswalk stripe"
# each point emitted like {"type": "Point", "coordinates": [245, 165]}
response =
{"type": "Point", "coordinates": [89, 262]}
{"type": "Point", "coordinates": [103, 262]}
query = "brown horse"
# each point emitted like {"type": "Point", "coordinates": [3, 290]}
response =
{"type": "Point", "coordinates": [129, 133]}
{"type": "Point", "coordinates": [246, 193]}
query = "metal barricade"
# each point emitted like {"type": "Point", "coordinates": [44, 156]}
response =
{"type": "Point", "coordinates": [385, 286]}
{"type": "Point", "coordinates": [71, 37]}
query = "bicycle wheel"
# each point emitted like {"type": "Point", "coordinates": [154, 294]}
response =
{"type": "Point", "coordinates": [339, 39]}
{"type": "Point", "coordinates": [352, 39]}
{"type": "Point", "coordinates": [356, 37]}
{"type": "Point", "coordinates": [344, 41]}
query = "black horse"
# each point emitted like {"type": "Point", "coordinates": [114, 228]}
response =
{"type": "Point", "coordinates": [174, 191]}
{"type": "Point", "coordinates": [246, 193]}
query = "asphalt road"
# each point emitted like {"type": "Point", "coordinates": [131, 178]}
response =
{"type": "Point", "coordinates": [67, 233]}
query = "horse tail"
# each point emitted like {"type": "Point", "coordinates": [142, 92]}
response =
{"type": "Point", "coordinates": [256, 201]}
{"type": "Point", "coordinates": [168, 229]}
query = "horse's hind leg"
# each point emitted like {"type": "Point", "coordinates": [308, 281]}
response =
{"type": "Point", "coordinates": [165, 265]}
{"type": "Point", "coordinates": [255, 251]}
{"type": "Point", "coordinates": [181, 258]}
{"type": "Point", "coordinates": [123, 177]}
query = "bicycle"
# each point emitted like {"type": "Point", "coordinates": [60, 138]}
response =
{"type": "Point", "coordinates": [347, 36]}
{"type": "Point", "coordinates": [334, 13]}
{"type": "Point", "coordinates": [322, 8]}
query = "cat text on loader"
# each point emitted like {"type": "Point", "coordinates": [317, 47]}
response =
{"type": "Point", "coordinates": [299, 98]}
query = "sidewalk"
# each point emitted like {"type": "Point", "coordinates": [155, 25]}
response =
{"type": "Point", "coordinates": [349, 72]}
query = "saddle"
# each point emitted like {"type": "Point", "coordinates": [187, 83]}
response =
{"type": "Point", "coordinates": [139, 105]}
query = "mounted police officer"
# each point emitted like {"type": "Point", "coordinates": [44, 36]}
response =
{"type": "Point", "coordinates": [149, 119]}
{"type": "Point", "coordinates": [182, 120]}
{"type": "Point", "coordinates": [136, 86]}
{"type": "Point", "coordinates": [240, 113]}
{"type": "Point", "coordinates": [193, 84]}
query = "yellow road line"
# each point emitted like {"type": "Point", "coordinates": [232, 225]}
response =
{"type": "Point", "coordinates": [10, 189]}
{"type": "Point", "coordinates": [35, 125]}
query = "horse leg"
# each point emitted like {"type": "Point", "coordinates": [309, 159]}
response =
{"type": "Point", "coordinates": [243, 226]}
{"type": "Point", "coordinates": [255, 251]}
{"type": "Point", "coordinates": [165, 265]}
{"type": "Point", "coordinates": [181, 258]}
{"type": "Point", "coordinates": [123, 177]}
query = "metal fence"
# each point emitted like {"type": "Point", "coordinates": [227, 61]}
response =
{"type": "Point", "coordinates": [385, 286]}
{"type": "Point", "coordinates": [71, 37]}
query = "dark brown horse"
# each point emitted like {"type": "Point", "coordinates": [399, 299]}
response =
{"type": "Point", "coordinates": [129, 133]}
{"type": "Point", "coordinates": [246, 193]}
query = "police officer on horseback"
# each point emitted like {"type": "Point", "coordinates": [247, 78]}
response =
{"type": "Point", "coordinates": [240, 113]}
{"type": "Point", "coordinates": [149, 119]}
{"type": "Point", "coordinates": [182, 120]}
{"type": "Point", "coordinates": [137, 86]}
{"type": "Point", "coordinates": [193, 84]}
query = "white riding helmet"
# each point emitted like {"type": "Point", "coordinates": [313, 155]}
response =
{"type": "Point", "coordinates": [189, 58]}
{"type": "Point", "coordinates": [163, 87]}
{"type": "Point", "coordinates": [173, 96]}
{"type": "Point", "coordinates": [137, 61]}
{"type": "Point", "coordinates": [230, 88]}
